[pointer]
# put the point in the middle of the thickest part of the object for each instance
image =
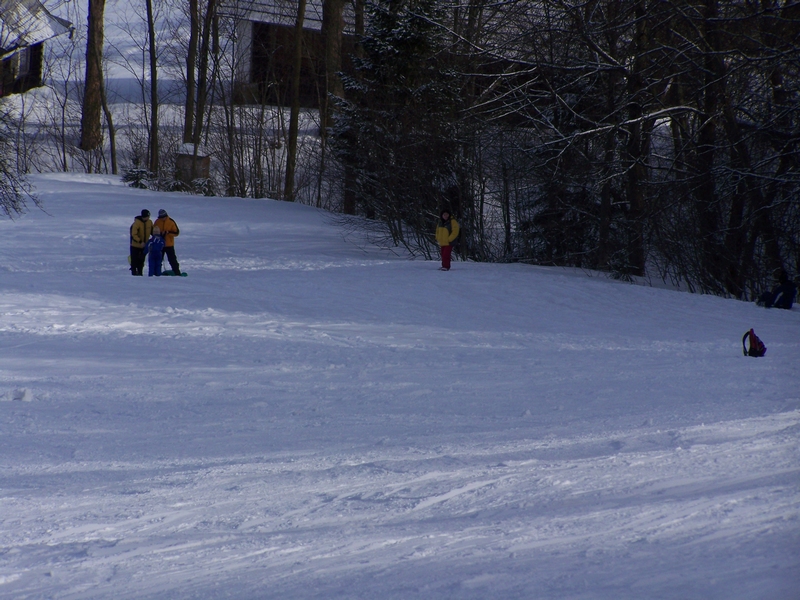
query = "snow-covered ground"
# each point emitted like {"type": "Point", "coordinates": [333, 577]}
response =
{"type": "Point", "coordinates": [305, 416]}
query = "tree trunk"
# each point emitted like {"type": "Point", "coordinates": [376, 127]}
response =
{"type": "Point", "coordinates": [612, 92]}
{"type": "Point", "coordinates": [350, 200]}
{"type": "Point", "coordinates": [332, 28]}
{"type": "Point", "coordinates": [191, 67]}
{"type": "Point", "coordinates": [637, 171]}
{"type": "Point", "coordinates": [91, 136]}
{"type": "Point", "coordinates": [506, 205]}
{"type": "Point", "coordinates": [291, 149]}
{"type": "Point", "coordinates": [202, 76]}
{"type": "Point", "coordinates": [209, 23]}
{"type": "Point", "coordinates": [112, 132]}
{"type": "Point", "coordinates": [706, 197]}
{"type": "Point", "coordinates": [151, 32]}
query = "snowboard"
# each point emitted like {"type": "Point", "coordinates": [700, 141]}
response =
{"type": "Point", "coordinates": [171, 273]}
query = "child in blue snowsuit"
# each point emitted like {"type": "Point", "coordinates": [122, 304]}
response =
{"type": "Point", "coordinates": [155, 250]}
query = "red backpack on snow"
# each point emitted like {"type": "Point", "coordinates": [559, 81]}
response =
{"type": "Point", "coordinates": [757, 347]}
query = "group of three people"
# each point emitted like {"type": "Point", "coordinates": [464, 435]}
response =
{"type": "Point", "coordinates": [155, 239]}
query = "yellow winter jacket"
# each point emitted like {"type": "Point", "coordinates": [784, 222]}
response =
{"type": "Point", "coordinates": [445, 236]}
{"type": "Point", "coordinates": [141, 231]}
{"type": "Point", "coordinates": [169, 229]}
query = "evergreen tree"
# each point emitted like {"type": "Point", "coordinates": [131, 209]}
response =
{"type": "Point", "coordinates": [397, 130]}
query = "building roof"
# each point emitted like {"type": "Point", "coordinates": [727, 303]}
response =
{"type": "Point", "coordinates": [24, 23]}
{"type": "Point", "coordinates": [281, 12]}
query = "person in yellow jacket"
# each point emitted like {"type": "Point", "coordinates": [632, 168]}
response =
{"type": "Point", "coordinates": [446, 233]}
{"type": "Point", "coordinates": [141, 230]}
{"type": "Point", "coordinates": [169, 230]}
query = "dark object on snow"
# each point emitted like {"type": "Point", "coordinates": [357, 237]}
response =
{"type": "Point", "coordinates": [782, 296]}
{"type": "Point", "coordinates": [757, 347]}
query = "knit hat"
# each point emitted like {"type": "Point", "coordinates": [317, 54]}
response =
{"type": "Point", "coordinates": [162, 213]}
{"type": "Point", "coordinates": [145, 213]}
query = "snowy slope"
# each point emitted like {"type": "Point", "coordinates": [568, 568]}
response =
{"type": "Point", "coordinates": [307, 417]}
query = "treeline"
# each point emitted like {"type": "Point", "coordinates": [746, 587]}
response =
{"type": "Point", "coordinates": [641, 138]}
{"type": "Point", "coordinates": [635, 137]}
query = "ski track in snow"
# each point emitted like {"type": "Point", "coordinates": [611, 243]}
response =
{"type": "Point", "coordinates": [302, 417]}
{"type": "Point", "coordinates": [58, 315]}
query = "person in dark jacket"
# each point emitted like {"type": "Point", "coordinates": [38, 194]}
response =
{"type": "Point", "coordinates": [169, 230]}
{"type": "Point", "coordinates": [782, 296]}
{"type": "Point", "coordinates": [141, 230]}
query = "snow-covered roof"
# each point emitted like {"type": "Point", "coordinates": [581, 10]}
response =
{"type": "Point", "coordinates": [281, 12]}
{"type": "Point", "coordinates": [25, 23]}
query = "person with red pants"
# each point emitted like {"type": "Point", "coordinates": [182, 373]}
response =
{"type": "Point", "coordinates": [169, 230]}
{"type": "Point", "coordinates": [446, 233]}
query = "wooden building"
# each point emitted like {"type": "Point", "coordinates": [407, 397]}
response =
{"type": "Point", "coordinates": [265, 32]}
{"type": "Point", "coordinates": [24, 27]}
